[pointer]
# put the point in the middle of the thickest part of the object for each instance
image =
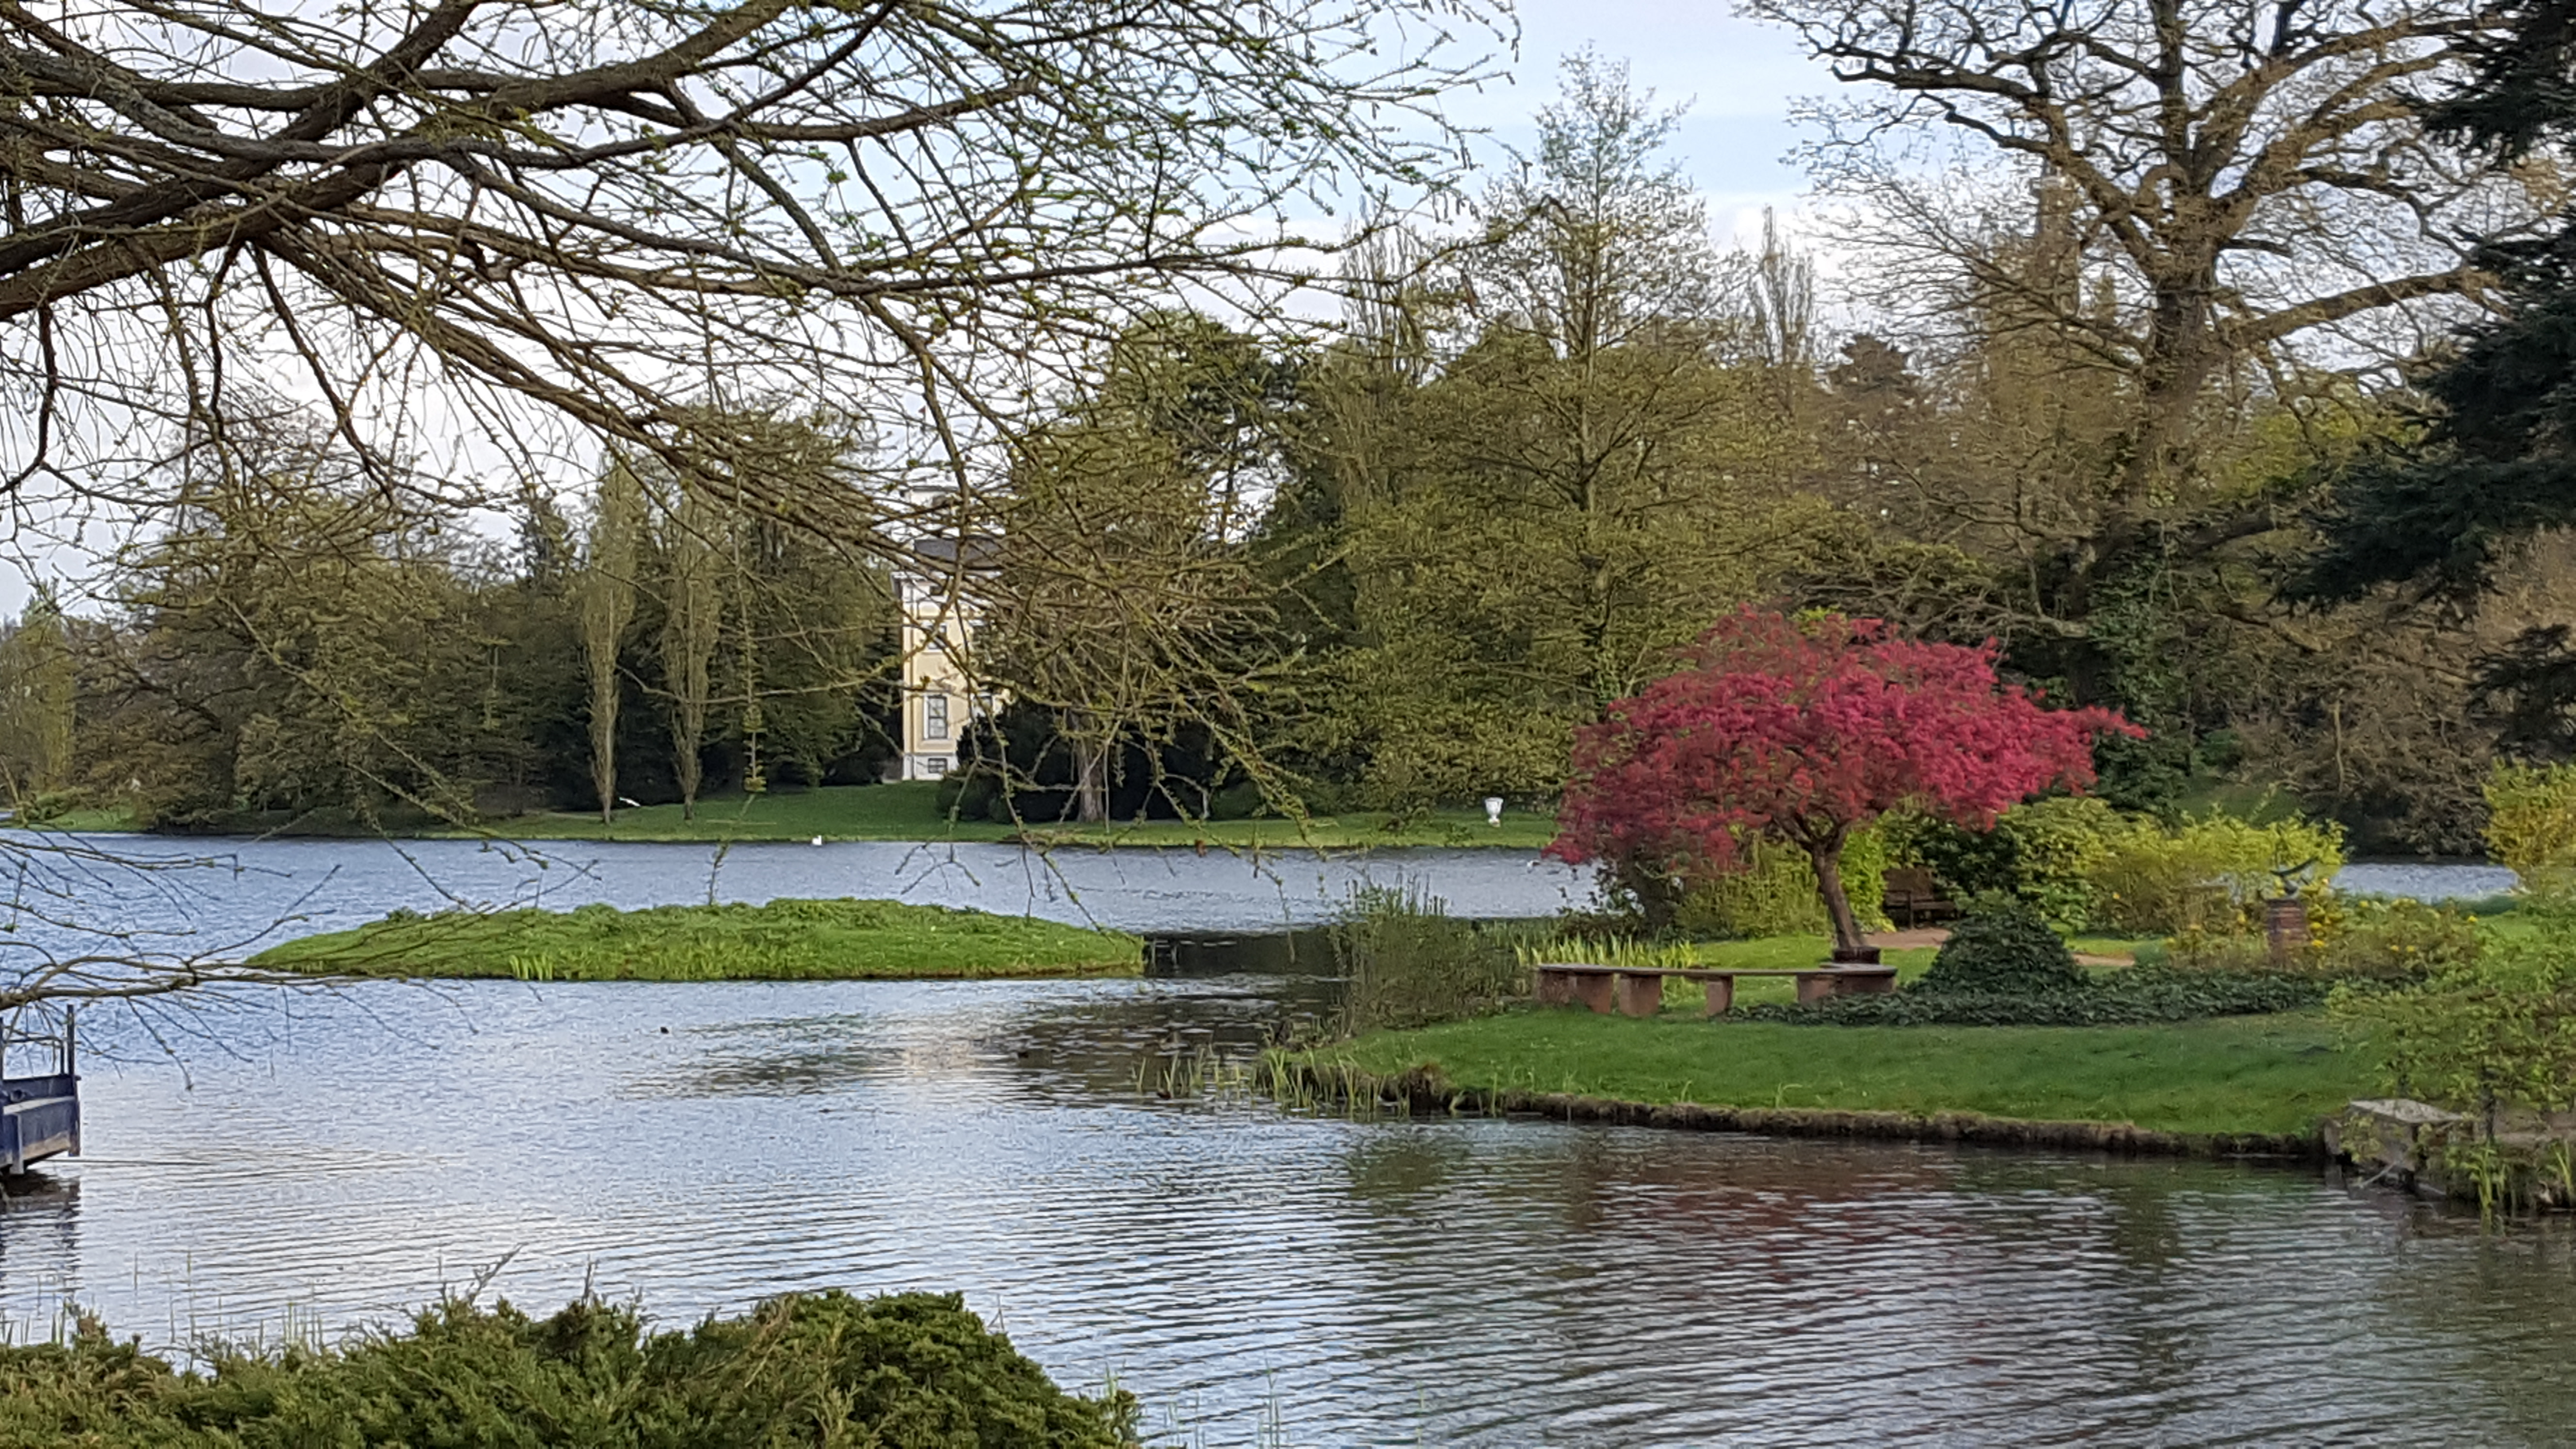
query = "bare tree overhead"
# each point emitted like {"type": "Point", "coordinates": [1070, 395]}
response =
{"type": "Point", "coordinates": [489, 241]}
{"type": "Point", "coordinates": [2218, 183]}
{"type": "Point", "coordinates": [532, 220]}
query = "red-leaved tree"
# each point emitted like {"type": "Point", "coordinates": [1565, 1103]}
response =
{"type": "Point", "coordinates": [1801, 732]}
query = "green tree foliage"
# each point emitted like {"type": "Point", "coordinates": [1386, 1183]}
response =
{"type": "Point", "coordinates": [693, 527]}
{"type": "Point", "coordinates": [2495, 462]}
{"type": "Point", "coordinates": [607, 604]}
{"type": "Point", "coordinates": [295, 643]}
{"type": "Point", "coordinates": [38, 682]}
{"type": "Point", "coordinates": [1125, 597]}
{"type": "Point", "coordinates": [1585, 477]}
{"type": "Point", "coordinates": [301, 646]}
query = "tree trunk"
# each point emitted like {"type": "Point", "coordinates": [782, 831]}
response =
{"type": "Point", "coordinates": [1828, 859]}
{"type": "Point", "coordinates": [603, 751]}
{"type": "Point", "coordinates": [1091, 794]}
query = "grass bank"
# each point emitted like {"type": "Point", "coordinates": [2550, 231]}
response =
{"type": "Point", "coordinates": [909, 810]}
{"type": "Point", "coordinates": [2272, 1075]}
{"type": "Point", "coordinates": [787, 940]}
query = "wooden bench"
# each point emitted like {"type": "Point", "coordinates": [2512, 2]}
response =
{"type": "Point", "coordinates": [1912, 897]}
{"type": "Point", "coordinates": [1639, 990]}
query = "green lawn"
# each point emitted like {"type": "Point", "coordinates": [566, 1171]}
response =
{"type": "Point", "coordinates": [781, 941]}
{"type": "Point", "coordinates": [2270, 1074]}
{"type": "Point", "coordinates": [910, 811]}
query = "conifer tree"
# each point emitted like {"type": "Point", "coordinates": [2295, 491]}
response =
{"type": "Point", "coordinates": [2498, 460]}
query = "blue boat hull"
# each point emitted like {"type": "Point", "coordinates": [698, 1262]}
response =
{"type": "Point", "coordinates": [39, 1118]}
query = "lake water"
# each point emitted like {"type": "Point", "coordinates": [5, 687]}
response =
{"type": "Point", "coordinates": [344, 1158]}
{"type": "Point", "coordinates": [314, 1162]}
{"type": "Point", "coordinates": [223, 899]}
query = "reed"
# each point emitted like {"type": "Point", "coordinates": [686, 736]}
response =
{"type": "Point", "coordinates": [1407, 962]}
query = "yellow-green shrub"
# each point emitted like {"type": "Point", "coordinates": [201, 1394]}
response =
{"type": "Point", "coordinates": [1777, 897]}
{"type": "Point", "coordinates": [2531, 826]}
{"type": "Point", "coordinates": [2199, 875]}
{"type": "Point", "coordinates": [2060, 846]}
{"type": "Point", "coordinates": [2348, 939]}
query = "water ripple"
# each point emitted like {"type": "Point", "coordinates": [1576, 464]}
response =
{"type": "Point", "coordinates": [1444, 1282]}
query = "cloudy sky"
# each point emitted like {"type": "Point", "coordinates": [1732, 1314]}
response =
{"type": "Point", "coordinates": [1737, 76]}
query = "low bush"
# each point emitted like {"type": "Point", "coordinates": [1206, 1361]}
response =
{"type": "Point", "coordinates": [2495, 1032]}
{"type": "Point", "coordinates": [2494, 1039]}
{"type": "Point", "coordinates": [1407, 962]}
{"type": "Point", "coordinates": [2207, 872]}
{"type": "Point", "coordinates": [2349, 938]}
{"type": "Point", "coordinates": [912, 1369]}
{"type": "Point", "coordinates": [2130, 998]}
{"type": "Point", "coordinates": [2003, 946]}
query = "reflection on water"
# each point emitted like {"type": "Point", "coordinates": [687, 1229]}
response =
{"type": "Point", "coordinates": [1451, 1281]}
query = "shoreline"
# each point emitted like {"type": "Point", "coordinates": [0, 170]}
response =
{"type": "Point", "coordinates": [1426, 1090]}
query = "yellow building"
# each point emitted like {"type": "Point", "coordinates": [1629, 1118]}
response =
{"type": "Point", "coordinates": [940, 619]}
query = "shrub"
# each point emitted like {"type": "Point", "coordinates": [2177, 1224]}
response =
{"type": "Point", "coordinates": [2059, 847]}
{"type": "Point", "coordinates": [1406, 962]}
{"type": "Point", "coordinates": [2129, 998]}
{"type": "Point", "coordinates": [1239, 801]}
{"type": "Point", "coordinates": [2200, 874]}
{"type": "Point", "coordinates": [2531, 827]}
{"type": "Point", "coordinates": [2003, 946]}
{"type": "Point", "coordinates": [2047, 853]}
{"type": "Point", "coordinates": [1778, 897]}
{"type": "Point", "coordinates": [2363, 938]}
{"type": "Point", "coordinates": [2349, 938]}
{"type": "Point", "coordinates": [2495, 1033]}
{"type": "Point", "coordinates": [913, 1369]}
{"type": "Point", "coordinates": [2493, 1038]}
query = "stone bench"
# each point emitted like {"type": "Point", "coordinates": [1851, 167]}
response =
{"type": "Point", "coordinates": [1639, 990]}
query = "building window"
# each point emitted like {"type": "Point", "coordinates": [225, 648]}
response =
{"type": "Point", "coordinates": [934, 717]}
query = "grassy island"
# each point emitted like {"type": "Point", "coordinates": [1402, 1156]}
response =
{"type": "Point", "coordinates": [784, 940]}
{"type": "Point", "coordinates": [2225, 1075]}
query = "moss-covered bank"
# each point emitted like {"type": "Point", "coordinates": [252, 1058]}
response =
{"type": "Point", "coordinates": [2232, 1084]}
{"type": "Point", "coordinates": [784, 940]}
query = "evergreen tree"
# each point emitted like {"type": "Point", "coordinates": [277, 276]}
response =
{"type": "Point", "coordinates": [2497, 459]}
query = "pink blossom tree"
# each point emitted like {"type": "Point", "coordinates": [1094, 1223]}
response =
{"type": "Point", "coordinates": [1800, 732]}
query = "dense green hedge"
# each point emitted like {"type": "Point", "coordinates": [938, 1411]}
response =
{"type": "Point", "coordinates": [910, 1371]}
{"type": "Point", "coordinates": [2134, 997]}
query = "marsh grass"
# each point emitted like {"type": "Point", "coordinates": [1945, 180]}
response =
{"type": "Point", "coordinates": [785, 940]}
{"type": "Point", "coordinates": [1407, 962]}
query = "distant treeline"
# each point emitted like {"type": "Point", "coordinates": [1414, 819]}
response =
{"type": "Point", "coordinates": [1393, 562]}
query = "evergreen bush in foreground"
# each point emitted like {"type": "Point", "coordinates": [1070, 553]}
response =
{"type": "Point", "coordinates": [2004, 946]}
{"type": "Point", "coordinates": [905, 1371]}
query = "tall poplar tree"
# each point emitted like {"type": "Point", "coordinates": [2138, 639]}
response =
{"type": "Point", "coordinates": [691, 621]}
{"type": "Point", "coordinates": [607, 604]}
